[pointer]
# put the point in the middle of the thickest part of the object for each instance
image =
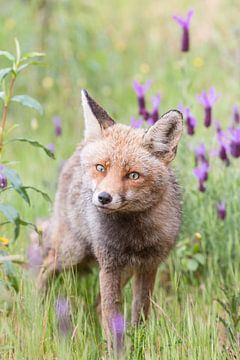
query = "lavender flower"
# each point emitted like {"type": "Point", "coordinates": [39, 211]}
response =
{"type": "Point", "coordinates": [200, 154]}
{"type": "Point", "coordinates": [201, 172]}
{"type": "Point", "coordinates": [236, 115]}
{"type": "Point", "coordinates": [62, 308]}
{"type": "Point", "coordinates": [221, 210]}
{"type": "Point", "coordinates": [136, 123]}
{"type": "Point", "coordinates": [190, 119]}
{"type": "Point", "coordinates": [155, 112]}
{"type": "Point", "coordinates": [51, 147]}
{"type": "Point", "coordinates": [185, 25]}
{"type": "Point", "coordinates": [235, 142]}
{"type": "Point", "coordinates": [58, 125]}
{"type": "Point", "coordinates": [207, 100]}
{"type": "Point", "coordinates": [223, 145]}
{"type": "Point", "coordinates": [3, 181]}
{"type": "Point", "coordinates": [141, 91]}
{"type": "Point", "coordinates": [118, 329]}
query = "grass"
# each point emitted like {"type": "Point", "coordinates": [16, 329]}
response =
{"type": "Point", "coordinates": [104, 46]}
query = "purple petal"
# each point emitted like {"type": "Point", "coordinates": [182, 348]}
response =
{"type": "Point", "coordinates": [136, 123]}
{"type": "Point", "coordinates": [221, 209]}
{"type": "Point", "coordinates": [62, 308]}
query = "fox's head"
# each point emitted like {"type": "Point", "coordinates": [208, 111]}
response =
{"type": "Point", "coordinates": [127, 169]}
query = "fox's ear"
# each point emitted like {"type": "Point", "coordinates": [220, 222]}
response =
{"type": "Point", "coordinates": [95, 117]}
{"type": "Point", "coordinates": [162, 138]}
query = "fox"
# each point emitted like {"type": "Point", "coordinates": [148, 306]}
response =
{"type": "Point", "coordinates": [118, 205]}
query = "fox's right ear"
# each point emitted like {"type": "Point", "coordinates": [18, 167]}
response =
{"type": "Point", "coordinates": [95, 117]}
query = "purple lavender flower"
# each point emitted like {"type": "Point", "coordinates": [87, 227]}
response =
{"type": "Point", "coordinates": [223, 144]}
{"type": "Point", "coordinates": [201, 172]}
{"type": "Point", "coordinates": [155, 112]}
{"type": "Point", "coordinates": [235, 142]}
{"type": "Point", "coordinates": [62, 308]}
{"type": "Point", "coordinates": [200, 154]}
{"type": "Point", "coordinates": [35, 258]}
{"type": "Point", "coordinates": [185, 25]}
{"type": "Point", "coordinates": [136, 123]}
{"type": "Point", "coordinates": [221, 210]}
{"type": "Point", "coordinates": [3, 178]}
{"type": "Point", "coordinates": [58, 125]}
{"type": "Point", "coordinates": [190, 119]}
{"type": "Point", "coordinates": [236, 115]}
{"type": "Point", "coordinates": [51, 147]}
{"type": "Point", "coordinates": [141, 91]}
{"type": "Point", "coordinates": [207, 100]}
{"type": "Point", "coordinates": [118, 328]}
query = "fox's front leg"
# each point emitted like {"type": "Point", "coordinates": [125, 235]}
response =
{"type": "Point", "coordinates": [110, 290]}
{"type": "Point", "coordinates": [143, 284]}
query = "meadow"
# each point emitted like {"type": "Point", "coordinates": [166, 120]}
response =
{"type": "Point", "coordinates": [104, 47]}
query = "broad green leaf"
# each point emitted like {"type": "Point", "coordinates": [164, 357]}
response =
{"type": "Point", "coordinates": [36, 144]}
{"type": "Point", "coordinates": [28, 101]}
{"type": "Point", "coordinates": [32, 55]}
{"type": "Point", "coordinates": [192, 265]}
{"type": "Point", "coordinates": [7, 55]}
{"type": "Point", "coordinates": [44, 194]}
{"type": "Point", "coordinates": [200, 258]}
{"type": "Point", "coordinates": [16, 182]}
{"type": "Point", "coordinates": [4, 72]}
{"type": "Point", "coordinates": [9, 212]}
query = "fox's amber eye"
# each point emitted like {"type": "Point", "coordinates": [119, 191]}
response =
{"type": "Point", "coordinates": [133, 176]}
{"type": "Point", "coordinates": [100, 168]}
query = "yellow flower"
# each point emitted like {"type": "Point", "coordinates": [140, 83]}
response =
{"type": "Point", "coordinates": [47, 82]}
{"type": "Point", "coordinates": [198, 62]}
{"type": "Point", "coordinates": [4, 241]}
{"type": "Point", "coordinates": [144, 68]}
{"type": "Point", "coordinates": [198, 236]}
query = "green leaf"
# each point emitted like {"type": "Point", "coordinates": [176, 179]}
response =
{"type": "Point", "coordinates": [44, 194]}
{"type": "Point", "coordinates": [7, 55]}
{"type": "Point", "coordinates": [4, 72]}
{"type": "Point", "coordinates": [192, 265]}
{"type": "Point", "coordinates": [24, 66]}
{"type": "Point", "coordinates": [9, 212]}
{"type": "Point", "coordinates": [28, 101]}
{"type": "Point", "coordinates": [16, 182]}
{"type": "Point", "coordinates": [200, 258]}
{"type": "Point", "coordinates": [32, 55]}
{"type": "Point", "coordinates": [11, 275]}
{"type": "Point", "coordinates": [36, 144]}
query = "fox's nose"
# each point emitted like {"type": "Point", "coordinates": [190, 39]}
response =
{"type": "Point", "coordinates": [104, 198]}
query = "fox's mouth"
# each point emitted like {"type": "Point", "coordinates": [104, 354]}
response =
{"type": "Point", "coordinates": [108, 210]}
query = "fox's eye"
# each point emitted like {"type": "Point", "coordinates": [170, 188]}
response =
{"type": "Point", "coordinates": [100, 168]}
{"type": "Point", "coordinates": [133, 175]}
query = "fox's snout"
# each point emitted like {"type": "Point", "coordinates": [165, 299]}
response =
{"type": "Point", "coordinates": [104, 198]}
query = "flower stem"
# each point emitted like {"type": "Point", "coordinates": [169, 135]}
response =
{"type": "Point", "coordinates": [5, 111]}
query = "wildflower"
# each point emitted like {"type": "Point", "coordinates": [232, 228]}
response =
{"type": "Point", "coordinates": [207, 100]}
{"type": "Point", "coordinates": [236, 115]}
{"type": "Point", "coordinates": [141, 91]}
{"type": "Point", "coordinates": [3, 178]}
{"type": "Point", "coordinates": [58, 125]}
{"type": "Point", "coordinates": [223, 143]}
{"type": "Point", "coordinates": [62, 308]}
{"type": "Point", "coordinates": [51, 147]}
{"type": "Point", "coordinates": [4, 241]}
{"type": "Point", "coordinates": [221, 210]}
{"type": "Point", "coordinates": [198, 236]}
{"type": "Point", "coordinates": [118, 328]}
{"type": "Point", "coordinates": [235, 142]}
{"type": "Point", "coordinates": [190, 119]}
{"type": "Point", "coordinates": [185, 25]}
{"type": "Point", "coordinates": [155, 113]}
{"type": "Point", "coordinates": [200, 154]}
{"type": "Point", "coordinates": [136, 123]}
{"type": "Point", "coordinates": [201, 172]}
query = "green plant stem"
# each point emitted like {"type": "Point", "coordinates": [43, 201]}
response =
{"type": "Point", "coordinates": [5, 111]}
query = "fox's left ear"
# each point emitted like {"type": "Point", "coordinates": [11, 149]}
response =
{"type": "Point", "coordinates": [162, 138]}
{"type": "Point", "coordinates": [95, 117]}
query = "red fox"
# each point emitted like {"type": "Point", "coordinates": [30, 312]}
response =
{"type": "Point", "coordinates": [117, 204]}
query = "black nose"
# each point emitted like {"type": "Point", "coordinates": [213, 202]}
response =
{"type": "Point", "coordinates": [104, 198]}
